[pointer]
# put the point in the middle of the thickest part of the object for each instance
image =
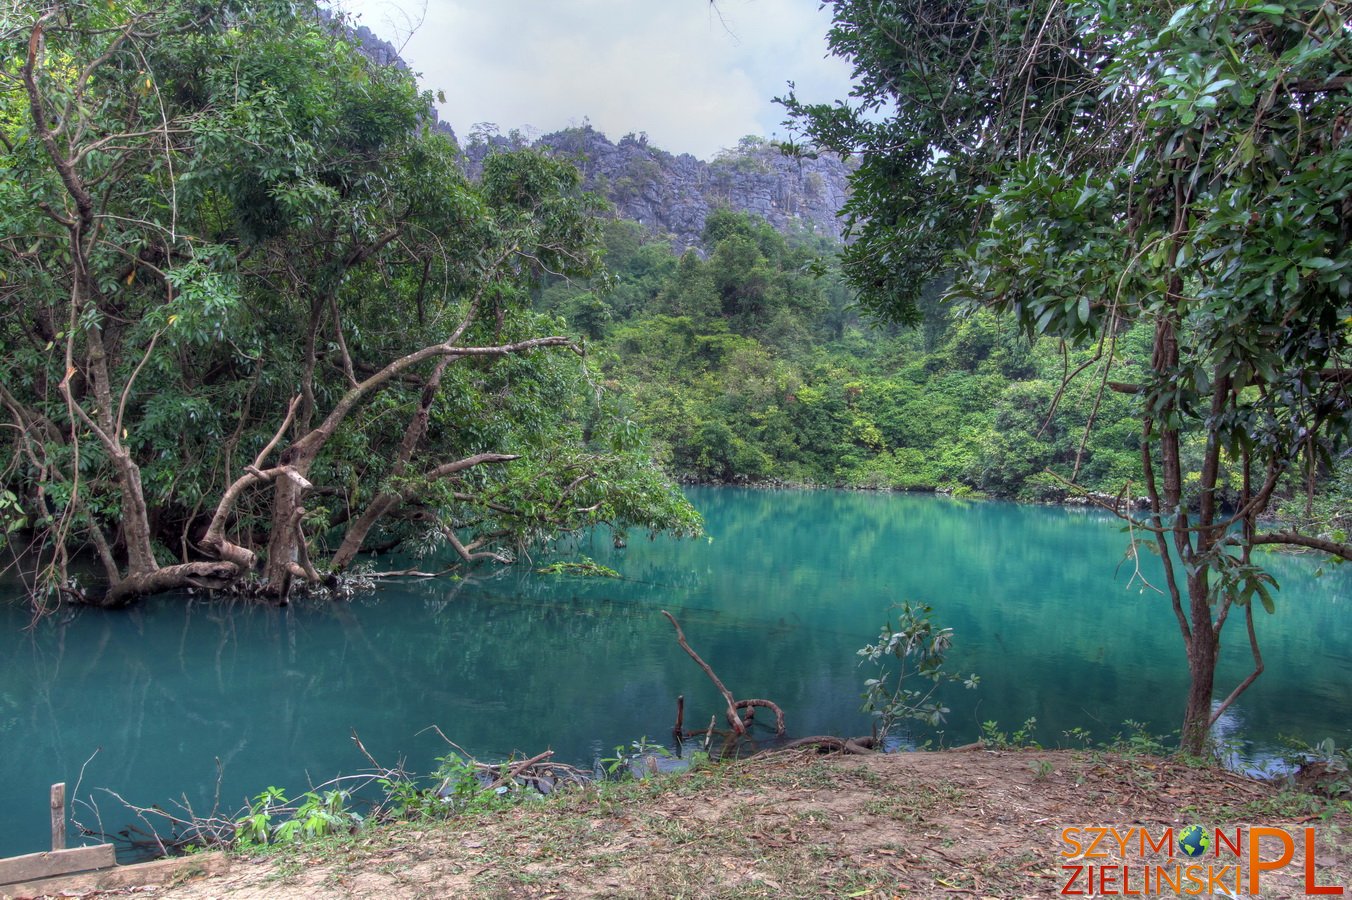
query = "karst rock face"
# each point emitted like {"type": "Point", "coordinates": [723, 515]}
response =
{"type": "Point", "coordinates": [671, 195]}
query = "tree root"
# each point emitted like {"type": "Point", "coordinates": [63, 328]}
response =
{"type": "Point", "coordinates": [826, 743]}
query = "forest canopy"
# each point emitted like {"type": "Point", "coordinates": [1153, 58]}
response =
{"type": "Point", "coordinates": [253, 320]}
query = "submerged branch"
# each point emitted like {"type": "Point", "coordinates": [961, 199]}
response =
{"type": "Point", "coordinates": [733, 719]}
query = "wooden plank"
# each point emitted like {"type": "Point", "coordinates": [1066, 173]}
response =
{"type": "Point", "coordinates": [160, 872]}
{"type": "Point", "coordinates": [59, 816]}
{"type": "Point", "coordinates": [56, 862]}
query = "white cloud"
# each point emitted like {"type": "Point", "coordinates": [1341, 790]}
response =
{"type": "Point", "coordinates": [694, 76]}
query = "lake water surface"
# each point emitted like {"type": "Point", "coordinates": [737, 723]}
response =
{"type": "Point", "coordinates": [789, 586]}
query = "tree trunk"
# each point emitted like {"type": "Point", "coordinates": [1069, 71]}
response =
{"type": "Point", "coordinates": [1203, 645]}
{"type": "Point", "coordinates": [207, 575]}
{"type": "Point", "coordinates": [136, 532]}
{"type": "Point", "coordinates": [282, 549]}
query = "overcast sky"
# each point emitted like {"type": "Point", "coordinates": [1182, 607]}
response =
{"type": "Point", "coordinates": [695, 77]}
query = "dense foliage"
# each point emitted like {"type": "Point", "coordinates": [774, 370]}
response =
{"type": "Point", "coordinates": [1090, 166]}
{"type": "Point", "coordinates": [255, 320]}
{"type": "Point", "coordinates": [750, 363]}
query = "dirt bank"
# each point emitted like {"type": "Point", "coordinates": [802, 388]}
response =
{"type": "Point", "coordinates": [946, 824]}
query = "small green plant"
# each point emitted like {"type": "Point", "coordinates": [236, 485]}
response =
{"type": "Point", "coordinates": [1325, 767]}
{"type": "Point", "coordinates": [585, 568]}
{"type": "Point", "coordinates": [270, 818]}
{"type": "Point", "coordinates": [918, 649]}
{"type": "Point", "coordinates": [1080, 736]}
{"type": "Point", "coordinates": [462, 789]}
{"type": "Point", "coordinates": [319, 815]}
{"type": "Point", "coordinates": [1138, 741]}
{"type": "Point", "coordinates": [254, 829]}
{"type": "Point", "coordinates": [995, 739]}
{"type": "Point", "coordinates": [1042, 769]}
{"type": "Point", "coordinates": [406, 799]}
{"type": "Point", "coordinates": [625, 757]}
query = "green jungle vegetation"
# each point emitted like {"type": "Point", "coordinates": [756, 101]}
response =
{"type": "Point", "coordinates": [253, 318]}
{"type": "Point", "coordinates": [1158, 196]}
{"type": "Point", "coordinates": [748, 361]}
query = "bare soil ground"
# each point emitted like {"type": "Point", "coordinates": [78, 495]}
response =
{"type": "Point", "coordinates": [942, 824]}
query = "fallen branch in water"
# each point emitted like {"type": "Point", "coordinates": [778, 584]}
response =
{"type": "Point", "coordinates": [733, 719]}
{"type": "Point", "coordinates": [409, 573]}
{"type": "Point", "coordinates": [538, 772]}
{"type": "Point", "coordinates": [750, 706]}
{"type": "Point", "coordinates": [516, 770]}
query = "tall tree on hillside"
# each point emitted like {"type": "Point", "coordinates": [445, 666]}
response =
{"type": "Point", "coordinates": [1083, 164]}
{"type": "Point", "coordinates": [253, 315]}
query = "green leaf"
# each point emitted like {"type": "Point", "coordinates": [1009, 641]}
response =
{"type": "Point", "coordinates": [1265, 597]}
{"type": "Point", "coordinates": [1182, 12]}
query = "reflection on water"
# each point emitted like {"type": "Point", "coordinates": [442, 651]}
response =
{"type": "Point", "coordinates": [789, 586]}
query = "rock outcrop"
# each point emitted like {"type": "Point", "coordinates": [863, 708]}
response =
{"type": "Point", "coordinates": [382, 53]}
{"type": "Point", "coordinates": [672, 195]}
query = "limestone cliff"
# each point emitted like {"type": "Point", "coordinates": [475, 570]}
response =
{"type": "Point", "coordinates": [671, 195]}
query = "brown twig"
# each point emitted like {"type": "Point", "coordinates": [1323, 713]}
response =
{"type": "Point", "coordinates": [517, 769]}
{"type": "Point", "coordinates": [362, 747]}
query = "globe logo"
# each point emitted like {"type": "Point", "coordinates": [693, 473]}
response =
{"type": "Point", "coordinates": [1194, 841]}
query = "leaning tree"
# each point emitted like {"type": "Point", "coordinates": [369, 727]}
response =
{"type": "Point", "coordinates": [255, 320]}
{"type": "Point", "coordinates": [1090, 164]}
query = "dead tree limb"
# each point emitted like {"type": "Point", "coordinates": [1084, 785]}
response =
{"type": "Point", "coordinates": [768, 704]}
{"type": "Point", "coordinates": [511, 774]}
{"type": "Point", "coordinates": [733, 719]}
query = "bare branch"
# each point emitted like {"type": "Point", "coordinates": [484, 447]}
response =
{"type": "Point", "coordinates": [733, 719]}
{"type": "Point", "coordinates": [1252, 677]}
{"type": "Point", "coordinates": [356, 394]}
{"type": "Point", "coordinates": [131, 379]}
{"type": "Point", "coordinates": [1294, 539]}
{"type": "Point", "coordinates": [281, 430]}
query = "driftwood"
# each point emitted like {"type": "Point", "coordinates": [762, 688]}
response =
{"type": "Point", "coordinates": [538, 772]}
{"type": "Point", "coordinates": [515, 771]}
{"type": "Point", "coordinates": [750, 706]}
{"type": "Point", "coordinates": [733, 719]}
{"type": "Point", "coordinates": [739, 725]}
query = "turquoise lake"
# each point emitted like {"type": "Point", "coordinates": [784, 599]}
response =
{"type": "Point", "coordinates": [788, 587]}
